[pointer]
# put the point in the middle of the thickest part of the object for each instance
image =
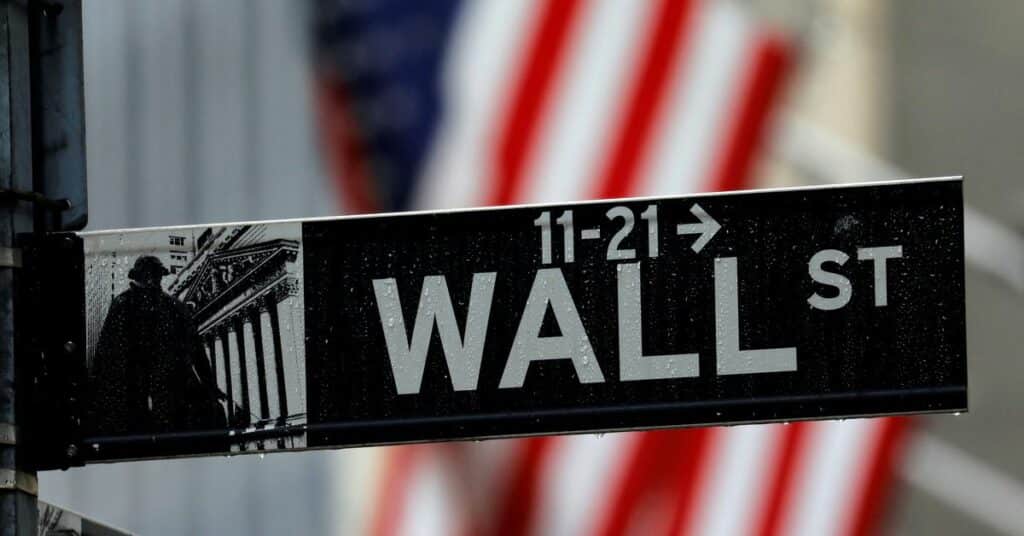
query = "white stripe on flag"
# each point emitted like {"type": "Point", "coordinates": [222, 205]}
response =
{"type": "Point", "coordinates": [355, 486]}
{"type": "Point", "coordinates": [575, 482]}
{"type": "Point", "coordinates": [837, 454]}
{"type": "Point", "coordinates": [427, 504]}
{"type": "Point", "coordinates": [742, 458]}
{"type": "Point", "coordinates": [702, 95]}
{"type": "Point", "coordinates": [486, 47]}
{"type": "Point", "coordinates": [591, 88]}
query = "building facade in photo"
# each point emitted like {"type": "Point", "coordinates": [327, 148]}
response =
{"type": "Point", "coordinates": [244, 289]}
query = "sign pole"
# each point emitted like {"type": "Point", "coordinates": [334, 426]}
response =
{"type": "Point", "coordinates": [18, 489]}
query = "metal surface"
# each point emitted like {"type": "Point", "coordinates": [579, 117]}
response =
{"type": "Point", "coordinates": [18, 515]}
{"type": "Point", "coordinates": [598, 316]}
{"type": "Point", "coordinates": [58, 112]}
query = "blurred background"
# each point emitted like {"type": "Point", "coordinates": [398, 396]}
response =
{"type": "Point", "coordinates": [201, 111]}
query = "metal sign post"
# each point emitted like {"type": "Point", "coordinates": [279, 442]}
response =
{"type": "Point", "coordinates": [768, 306]}
{"type": "Point", "coordinates": [18, 513]}
{"type": "Point", "coordinates": [58, 113]}
{"type": "Point", "coordinates": [42, 187]}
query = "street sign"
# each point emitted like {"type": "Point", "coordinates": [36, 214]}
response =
{"type": "Point", "coordinates": [802, 303]}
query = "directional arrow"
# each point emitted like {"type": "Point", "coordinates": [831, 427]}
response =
{"type": "Point", "coordinates": [706, 228]}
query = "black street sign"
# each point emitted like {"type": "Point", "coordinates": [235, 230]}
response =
{"type": "Point", "coordinates": [803, 303]}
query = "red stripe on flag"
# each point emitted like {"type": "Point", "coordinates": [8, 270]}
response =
{"type": "Point", "coordinates": [875, 489]}
{"type": "Point", "coordinates": [694, 457]}
{"type": "Point", "coordinates": [342, 146]}
{"type": "Point", "coordinates": [517, 507]}
{"type": "Point", "coordinates": [646, 478]}
{"type": "Point", "coordinates": [391, 499]}
{"type": "Point", "coordinates": [784, 474]}
{"type": "Point", "coordinates": [667, 41]}
{"type": "Point", "coordinates": [770, 65]}
{"type": "Point", "coordinates": [631, 483]}
{"type": "Point", "coordinates": [456, 456]}
{"type": "Point", "coordinates": [530, 96]}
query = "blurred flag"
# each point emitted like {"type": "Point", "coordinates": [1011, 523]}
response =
{"type": "Point", "coordinates": [428, 104]}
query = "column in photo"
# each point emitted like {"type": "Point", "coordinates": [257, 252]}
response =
{"type": "Point", "coordinates": [221, 345]}
{"type": "Point", "coordinates": [254, 368]}
{"type": "Point", "coordinates": [231, 347]}
{"type": "Point", "coordinates": [216, 364]}
{"type": "Point", "coordinates": [275, 334]}
{"type": "Point", "coordinates": [261, 325]}
{"type": "Point", "coordinates": [290, 317]}
{"type": "Point", "coordinates": [243, 364]}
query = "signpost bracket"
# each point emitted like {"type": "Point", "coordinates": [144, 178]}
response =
{"type": "Point", "coordinates": [11, 480]}
{"type": "Point", "coordinates": [9, 197]}
{"type": "Point", "coordinates": [8, 434]}
{"type": "Point", "coordinates": [51, 347]}
{"type": "Point", "coordinates": [10, 257]}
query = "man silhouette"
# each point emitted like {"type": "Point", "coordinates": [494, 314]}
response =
{"type": "Point", "coordinates": [150, 373]}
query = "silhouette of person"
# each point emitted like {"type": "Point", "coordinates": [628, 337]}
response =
{"type": "Point", "coordinates": [150, 373]}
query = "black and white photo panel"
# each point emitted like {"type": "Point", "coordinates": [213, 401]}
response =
{"type": "Point", "coordinates": [197, 331]}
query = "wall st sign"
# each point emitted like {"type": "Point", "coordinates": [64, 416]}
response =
{"type": "Point", "coordinates": [628, 314]}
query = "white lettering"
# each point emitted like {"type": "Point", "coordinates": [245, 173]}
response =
{"type": "Point", "coordinates": [730, 359]}
{"type": "Point", "coordinates": [843, 288]}
{"type": "Point", "coordinates": [633, 365]}
{"type": "Point", "coordinates": [549, 288]}
{"type": "Point", "coordinates": [408, 357]}
{"type": "Point", "coordinates": [879, 255]}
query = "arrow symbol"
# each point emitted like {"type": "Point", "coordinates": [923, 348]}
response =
{"type": "Point", "coordinates": [706, 228]}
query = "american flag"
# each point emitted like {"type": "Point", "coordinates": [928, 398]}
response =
{"type": "Point", "coordinates": [436, 104]}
